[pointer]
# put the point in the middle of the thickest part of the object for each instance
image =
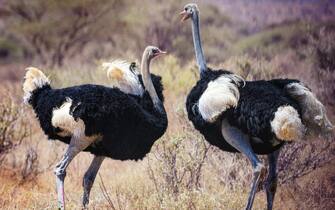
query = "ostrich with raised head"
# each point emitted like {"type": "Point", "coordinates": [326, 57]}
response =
{"type": "Point", "coordinates": [250, 117]}
{"type": "Point", "coordinates": [105, 121]}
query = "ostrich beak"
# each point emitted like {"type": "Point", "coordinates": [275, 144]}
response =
{"type": "Point", "coordinates": [160, 53]}
{"type": "Point", "coordinates": [184, 16]}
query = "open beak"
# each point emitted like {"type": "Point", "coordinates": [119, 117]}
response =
{"type": "Point", "coordinates": [184, 16]}
{"type": "Point", "coordinates": [160, 53]}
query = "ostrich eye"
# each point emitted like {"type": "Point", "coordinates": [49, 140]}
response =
{"type": "Point", "coordinates": [132, 67]}
{"type": "Point", "coordinates": [155, 51]}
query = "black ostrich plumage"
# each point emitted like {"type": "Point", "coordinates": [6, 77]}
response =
{"type": "Point", "coordinates": [259, 100]}
{"type": "Point", "coordinates": [129, 124]}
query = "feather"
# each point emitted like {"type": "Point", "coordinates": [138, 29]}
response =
{"type": "Point", "coordinates": [124, 75]}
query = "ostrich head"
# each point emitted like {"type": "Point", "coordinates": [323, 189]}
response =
{"type": "Point", "coordinates": [152, 52]}
{"type": "Point", "coordinates": [189, 11]}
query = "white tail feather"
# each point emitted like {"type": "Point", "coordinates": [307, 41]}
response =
{"type": "Point", "coordinates": [33, 79]}
{"type": "Point", "coordinates": [287, 124]}
{"type": "Point", "coordinates": [313, 111]}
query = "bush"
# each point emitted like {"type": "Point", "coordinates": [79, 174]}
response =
{"type": "Point", "coordinates": [13, 128]}
{"type": "Point", "coordinates": [324, 48]}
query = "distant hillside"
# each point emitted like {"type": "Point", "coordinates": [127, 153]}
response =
{"type": "Point", "coordinates": [257, 14]}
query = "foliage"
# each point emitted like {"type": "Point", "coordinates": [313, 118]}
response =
{"type": "Point", "coordinates": [160, 25]}
{"type": "Point", "coordinates": [13, 129]}
{"type": "Point", "coordinates": [324, 47]}
{"type": "Point", "coordinates": [323, 52]}
{"type": "Point", "coordinates": [300, 159]}
{"type": "Point", "coordinates": [271, 40]}
{"type": "Point", "coordinates": [179, 159]}
{"type": "Point", "coordinates": [9, 49]}
{"type": "Point", "coordinates": [54, 29]}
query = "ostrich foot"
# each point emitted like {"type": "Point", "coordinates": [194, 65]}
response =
{"type": "Point", "coordinates": [85, 201]}
{"type": "Point", "coordinates": [86, 197]}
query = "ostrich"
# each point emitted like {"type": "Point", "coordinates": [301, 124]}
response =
{"type": "Point", "coordinates": [250, 117]}
{"type": "Point", "coordinates": [104, 121]}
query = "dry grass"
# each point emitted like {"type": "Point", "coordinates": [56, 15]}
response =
{"type": "Point", "coordinates": [182, 171]}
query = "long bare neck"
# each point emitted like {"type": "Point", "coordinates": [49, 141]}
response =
{"type": "Point", "coordinates": [148, 85]}
{"type": "Point", "coordinates": [199, 54]}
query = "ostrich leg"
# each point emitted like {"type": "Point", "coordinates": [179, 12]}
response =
{"type": "Point", "coordinates": [240, 141]}
{"type": "Point", "coordinates": [77, 145]}
{"type": "Point", "coordinates": [89, 178]}
{"type": "Point", "coordinates": [271, 181]}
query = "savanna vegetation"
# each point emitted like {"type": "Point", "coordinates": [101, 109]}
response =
{"type": "Point", "coordinates": [70, 39]}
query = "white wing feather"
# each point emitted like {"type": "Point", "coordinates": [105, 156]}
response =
{"type": "Point", "coordinates": [122, 77]}
{"type": "Point", "coordinates": [220, 95]}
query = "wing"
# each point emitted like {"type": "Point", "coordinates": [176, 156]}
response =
{"type": "Point", "coordinates": [220, 95]}
{"type": "Point", "coordinates": [124, 75]}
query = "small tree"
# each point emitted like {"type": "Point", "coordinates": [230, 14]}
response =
{"type": "Point", "coordinates": [53, 30]}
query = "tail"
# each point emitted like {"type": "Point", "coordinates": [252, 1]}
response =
{"type": "Point", "coordinates": [287, 124]}
{"type": "Point", "coordinates": [34, 79]}
{"type": "Point", "coordinates": [124, 75]}
{"type": "Point", "coordinates": [314, 114]}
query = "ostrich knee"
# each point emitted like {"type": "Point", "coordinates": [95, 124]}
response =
{"type": "Point", "coordinates": [60, 176]}
{"type": "Point", "coordinates": [60, 171]}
